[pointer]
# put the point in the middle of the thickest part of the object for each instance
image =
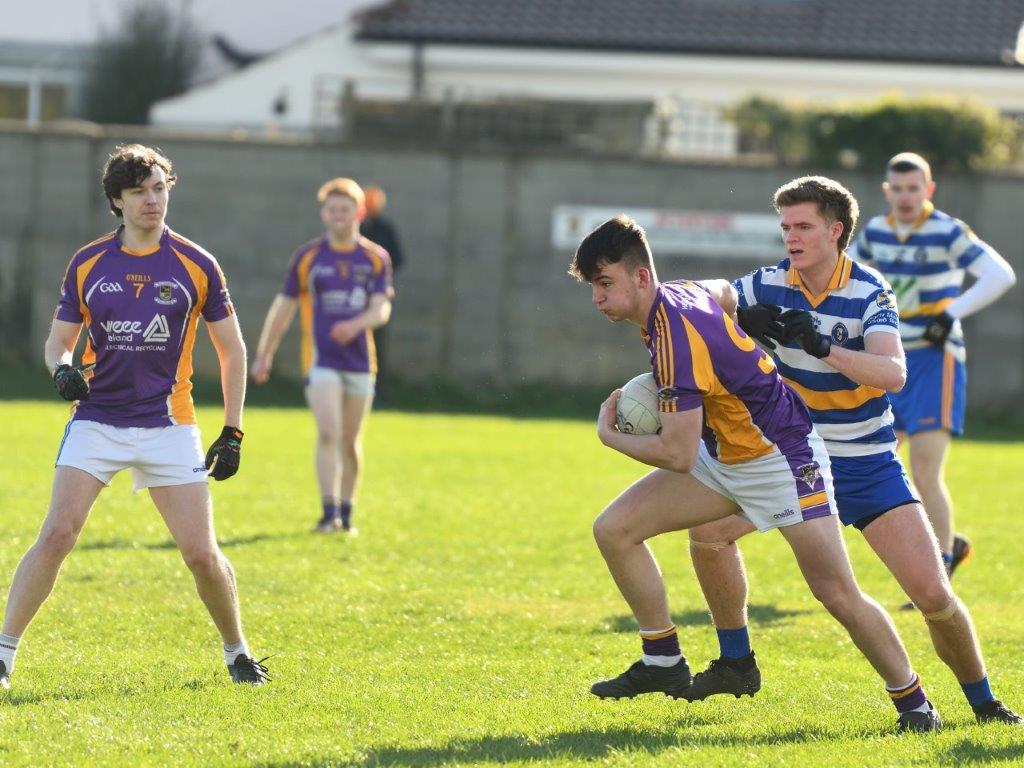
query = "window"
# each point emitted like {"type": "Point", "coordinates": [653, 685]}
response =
{"type": "Point", "coordinates": [13, 101]}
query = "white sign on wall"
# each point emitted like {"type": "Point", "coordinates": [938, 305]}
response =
{"type": "Point", "coordinates": [692, 233]}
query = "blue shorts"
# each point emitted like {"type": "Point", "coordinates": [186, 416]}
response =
{"type": "Point", "coordinates": [935, 396]}
{"type": "Point", "coordinates": [868, 486]}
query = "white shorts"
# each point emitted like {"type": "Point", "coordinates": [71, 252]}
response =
{"type": "Point", "coordinates": [351, 382]}
{"type": "Point", "coordinates": [156, 456]}
{"type": "Point", "coordinates": [775, 490]}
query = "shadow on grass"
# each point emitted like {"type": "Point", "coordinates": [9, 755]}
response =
{"type": "Point", "coordinates": [17, 698]}
{"type": "Point", "coordinates": [588, 744]}
{"type": "Point", "coordinates": [238, 541]}
{"type": "Point", "coordinates": [967, 752]}
{"type": "Point", "coordinates": [758, 615]}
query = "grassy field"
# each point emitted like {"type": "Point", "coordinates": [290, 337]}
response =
{"type": "Point", "coordinates": [466, 623]}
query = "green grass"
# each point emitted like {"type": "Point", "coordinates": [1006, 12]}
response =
{"type": "Point", "coordinates": [466, 623]}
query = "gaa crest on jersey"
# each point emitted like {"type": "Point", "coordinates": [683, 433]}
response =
{"type": "Point", "coordinates": [165, 293]}
{"type": "Point", "coordinates": [840, 333]}
{"type": "Point", "coordinates": [810, 474]}
{"type": "Point", "coordinates": [921, 255]}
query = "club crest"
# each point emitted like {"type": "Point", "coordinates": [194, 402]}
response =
{"type": "Point", "coordinates": [840, 333]}
{"type": "Point", "coordinates": [165, 293]}
{"type": "Point", "coordinates": [810, 474]}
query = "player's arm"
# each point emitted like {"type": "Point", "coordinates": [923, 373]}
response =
{"type": "Point", "coordinates": [674, 448]}
{"type": "Point", "coordinates": [376, 314]}
{"type": "Point", "coordinates": [60, 344]}
{"type": "Point", "coordinates": [723, 292]}
{"type": "Point", "coordinates": [882, 364]}
{"type": "Point", "coordinates": [69, 380]}
{"type": "Point", "coordinates": [994, 276]}
{"type": "Point", "coordinates": [227, 340]}
{"type": "Point", "coordinates": [279, 317]}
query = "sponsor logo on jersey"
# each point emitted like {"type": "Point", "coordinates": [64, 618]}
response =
{"type": "Point", "coordinates": [111, 288]}
{"type": "Point", "coordinates": [158, 331]}
{"type": "Point", "coordinates": [121, 327]}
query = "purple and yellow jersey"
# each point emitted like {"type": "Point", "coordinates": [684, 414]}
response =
{"type": "Point", "coordinates": [332, 285]}
{"type": "Point", "coordinates": [701, 357]}
{"type": "Point", "coordinates": [141, 311]}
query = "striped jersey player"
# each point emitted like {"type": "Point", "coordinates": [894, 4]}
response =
{"type": "Point", "coordinates": [925, 254]}
{"type": "Point", "coordinates": [833, 327]}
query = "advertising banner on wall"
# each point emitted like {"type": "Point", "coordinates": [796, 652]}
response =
{"type": "Point", "coordinates": [720, 234]}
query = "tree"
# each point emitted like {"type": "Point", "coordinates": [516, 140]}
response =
{"type": "Point", "coordinates": [151, 55]}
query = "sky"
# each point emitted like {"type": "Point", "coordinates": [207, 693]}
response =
{"type": "Point", "coordinates": [251, 26]}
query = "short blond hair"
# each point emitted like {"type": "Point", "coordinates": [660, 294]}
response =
{"type": "Point", "coordinates": [341, 186]}
{"type": "Point", "coordinates": [905, 162]}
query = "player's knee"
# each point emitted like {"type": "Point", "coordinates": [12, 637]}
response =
{"type": "Point", "coordinates": [329, 436]}
{"type": "Point", "coordinates": [58, 540]}
{"type": "Point", "coordinates": [944, 612]}
{"type": "Point", "coordinates": [708, 544]}
{"type": "Point", "coordinates": [836, 599]}
{"type": "Point", "coordinates": [202, 560]}
{"type": "Point", "coordinates": [608, 532]}
{"type": "Point", "coordinates": [933, 597]}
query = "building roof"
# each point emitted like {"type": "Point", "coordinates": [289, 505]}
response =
{"type": "Point", "coordinates": [976, 32]}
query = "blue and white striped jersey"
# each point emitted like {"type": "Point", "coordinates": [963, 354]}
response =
{"type": "Point", "coordinates": [925, 266]}
{"type": "Point", "coordinates": [853, 419]}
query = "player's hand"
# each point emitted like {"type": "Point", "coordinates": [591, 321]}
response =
{"type": "Point", "coordinates": [70, 381]}
{"type": "Point", "coordinates": [799, 326]}
{"type": "Point", "coordinates": [223, 456]}
{"type": "Point", "coordinates": [937, 331]}
{"type": "Point", "coordinates": [761, 323]}
{"type": "Point", "coordinates": [606, 417]}
{"type": "Point", "coordinates": [261, 370]}
{"type": "Point", "coordinates": [344, 331]}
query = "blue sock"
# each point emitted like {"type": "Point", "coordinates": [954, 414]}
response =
{"type": "Point", "coordinates": [330, 509]}
{"type": "Point", "coordinates": [734, 643]}
{"type": "Point", "coordinates": [346, 513]}
{"type": "Point", "coordinates": [978, 693]}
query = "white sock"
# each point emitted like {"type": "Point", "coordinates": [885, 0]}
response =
{"type": "Point", "coordinates": [8, 650]}
{"type": "Point", "coordinates": [661, 661]}
{"type": "Point", "coordinates": [232, 651]}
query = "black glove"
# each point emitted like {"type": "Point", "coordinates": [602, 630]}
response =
{"type": "Point", "coordinates": [799, 325]}
{"type": "Point", "coordinates": [761, 323]}
{"type": "Point", "coordinates": [937, 331]}
{"type": "Point", "coordinates": [70, 381]}
{"type": "Point", "coordinates": [223, 456]}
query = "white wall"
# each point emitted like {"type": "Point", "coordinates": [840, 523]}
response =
{"type": "Point", "coordinates": [244, 99]}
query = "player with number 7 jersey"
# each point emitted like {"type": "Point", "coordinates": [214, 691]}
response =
{"type": "Point", "coordinates": [141, 311]}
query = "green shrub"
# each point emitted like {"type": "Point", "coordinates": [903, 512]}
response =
{"type": "Point", "coordinates": [954, 135]}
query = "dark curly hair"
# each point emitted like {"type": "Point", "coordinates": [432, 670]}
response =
{"type": "Point", "coordinates": [618, 239]}
{"type": "Point", "coordinates": [128, 166]}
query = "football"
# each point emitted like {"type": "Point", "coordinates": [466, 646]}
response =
{"type": "Point", "coordinates": [637, 411]}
